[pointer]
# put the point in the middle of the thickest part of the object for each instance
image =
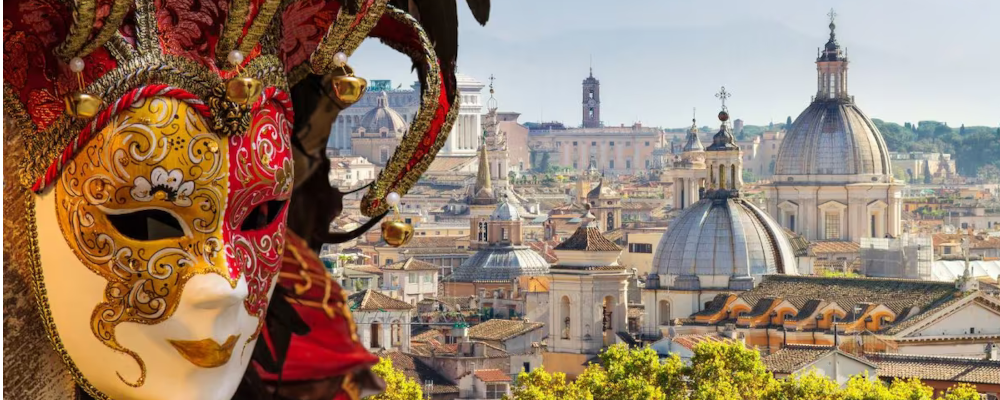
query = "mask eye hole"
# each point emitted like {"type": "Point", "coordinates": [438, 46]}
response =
{"type": "Point", "coordinates": [147, 225]}
{"type": "Point", "coordinates": [263, 215]}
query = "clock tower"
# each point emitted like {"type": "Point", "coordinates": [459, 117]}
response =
{"type": "Point", "coordinates": [591, 101]}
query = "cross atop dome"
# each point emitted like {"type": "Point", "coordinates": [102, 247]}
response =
{"type": "Point", "coordinates": [491, 104]}
{"type": "Point", "coordinates": [722, 96]}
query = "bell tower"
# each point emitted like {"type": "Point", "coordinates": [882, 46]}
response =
{"type": "Point", "coordinates": [831, 68]}
{"type": "Point", "coordinates": [591, 101]}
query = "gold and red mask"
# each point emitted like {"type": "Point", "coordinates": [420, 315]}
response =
{"type": "Point", "coordinates": [151, 233]}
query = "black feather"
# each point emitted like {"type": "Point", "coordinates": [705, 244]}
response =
{"type": "Point", "coordinates": [480, 10]}
{"type": "Point", "coordinates": [439, 18]}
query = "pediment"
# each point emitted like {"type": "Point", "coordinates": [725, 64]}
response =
{"type": "Point", "coordinates": [974, 315]}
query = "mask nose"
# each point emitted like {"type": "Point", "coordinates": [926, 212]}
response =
{"type": "Point", "coordinates": [211, 291]}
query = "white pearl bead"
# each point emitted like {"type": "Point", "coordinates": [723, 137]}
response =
{"type": "Point", "coordinates": [235, 57]}
{"type": "Point", "coordinates": [76, 64]}
{"type": "Point", "coordinates": [392, 199]}
{"type": "Point", "coordinates": [340, 59]}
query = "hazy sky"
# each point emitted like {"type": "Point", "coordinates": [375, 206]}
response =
{"type": "Point", "coordinates": [910, 60]}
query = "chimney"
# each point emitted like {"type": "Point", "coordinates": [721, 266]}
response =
{"type": "Point", "coordinates": [992, 351]}
{"type": "Point", "coordinates": [730, 332]}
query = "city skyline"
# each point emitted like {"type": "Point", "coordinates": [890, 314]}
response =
{"type": "Point", "coordinates": [667, 58]}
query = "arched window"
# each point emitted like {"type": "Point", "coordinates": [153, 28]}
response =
{"type": "Point", "coordinates": [483, 231]}
{"type": "Point", "coordinates": [732, 176]}
{"type": "Point", "coordinates": [664, 312]}
{"type": "Point", "coordinates": [376, 333]}
{"type": "Point", "coordinates": [564, 314]}
{"type": "Point", "coordinates": [397, 333]}
{"type": "Point", "coordinates": [722, 177]}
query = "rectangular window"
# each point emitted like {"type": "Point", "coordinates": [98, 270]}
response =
{"type": "Point", "coordinates": [832, 225]}
{"type": "Point", "coordinates": [575, 165]}
{"type": "Point", "coordinates": [527, 367]}
{"type": "Point", "coordinates": [628, 143]}
{"type": "Point", "coordinates": [504, 234]}
{"type": "Point", "coordinates": [611, 164]}
{"type": "Point", "coordinates": [791, 222]}
{"type": "Point", "coordinates": [612, 143]}
{"type": "Point", "coordinates": [640, 248]}
{"type": "Point", "coordinates": [647, 144]}
{"type": "Point", "coordinates": [873, 226]}
{"type": "Point", "coordinates": [411, 277]}
{"type": "Point", "coordinates": [593, 143]}
{"type": "Point", "coordinates": [496, 390]}
{"type": "Point", "coordinates": [427, 278]}
{"type": "Point", "coordinates": [628, 164]}
{"type": "Point", "coordinates": [574, 143]}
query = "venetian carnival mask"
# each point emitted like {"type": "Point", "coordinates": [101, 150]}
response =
{"type": "Point", "coordinates": [167, 237]}
{"type": "Point", "coordinates": [151, 231]}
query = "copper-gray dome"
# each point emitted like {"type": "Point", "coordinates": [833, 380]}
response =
{"type": "Point", "coordinates": [833, 137]}
{"type": "Point", "coordinates": [382, 116]}
{"type": "Point", "coordinates": [723, 236]}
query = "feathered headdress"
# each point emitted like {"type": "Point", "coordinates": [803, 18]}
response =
{"type": "Point", "coordinates": [125, 50]}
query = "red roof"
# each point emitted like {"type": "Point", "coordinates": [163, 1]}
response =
{"type": "Point", "coordinates": [492, 375]}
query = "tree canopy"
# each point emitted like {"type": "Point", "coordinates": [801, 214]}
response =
{"type": "Point", "coordinates": [970, 146]}
{"type": "Point", "coordinates": [397, 385]}
{"type": "Point", "coordinates": [717, 371]}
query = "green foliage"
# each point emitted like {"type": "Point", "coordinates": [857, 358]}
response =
{"type": "Point", "coordinates": [961, 391]}
{"type": "Point", "coordinates": [397, 385]}
{"type": "Point", "coordinates": [716, 371]}
{"type": "Point", "coordinates": [971, 146]}
{"type": "Point", "coordinates": [831, 273]}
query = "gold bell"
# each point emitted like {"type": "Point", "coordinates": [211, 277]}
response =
{"type": "Point", "coordinates": [82, 105]}
{"type": "Point", "coordinates": [347, 88]}
{"type": "Point", "coordinates": [397, 233]}
{"type": "Point", "coordinates": [243, 91]}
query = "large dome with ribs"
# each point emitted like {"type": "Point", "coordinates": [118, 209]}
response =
{"type": "Point", "coordinates": [833, 137]}
{"type": "Point", "coordinates": [723, 237]}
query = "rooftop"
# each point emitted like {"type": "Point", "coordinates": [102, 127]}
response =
{"type": "Point", "coordinates": [412, 264]}
{"type": "Point", "coordinates": [492, 375]}
{"type": "Point", "coordinates": [417, 370]}
{"type": "Point", "coordinates": [370, 300]}
{"type": "Point", "coordinates": [792, 358]}
{"type": "Point", "coordinates": [938, 368]}
{"type": "Point", "coordinates": [502, 329]}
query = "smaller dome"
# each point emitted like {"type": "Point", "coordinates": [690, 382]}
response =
{"type": "Point", "coordinates": [505, 211]}
{"type": "Point", "coordinates": [382, 116]}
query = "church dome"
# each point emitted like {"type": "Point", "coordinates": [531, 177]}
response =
{"type": "Point", "coordinates": [382, 116]}
{"type": "Point", "coordinates": [506, 211]}
{"type": "Point", "coordinates": [501, 263]}
{"type": "Point", "coordinates": [724, 237]}
{"type": "Point", "coordinates": [833, 137]}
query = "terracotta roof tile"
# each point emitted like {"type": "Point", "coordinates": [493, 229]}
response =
{"type": "Point", "coordinates": [413, 368]}
{"type": "Point", "coordinates": [588, 239]}
{"type": "Point", "coordinates": [492, 375]}
{"type": "Point", "coordinates": [952, 369]}
{"type": "Point", "coordinates": [900, 295]}
{"type": "Point", "coordinates": [834, 246]}
{"type": "Point", "coordinates": [793, 357]}
{"type": "Point", "coordinates": [370, 300]}
{"type": "Point", "coordinates": [412, 264]}
{"type": "Point", "coordinates": [502, 329]}
{"type": "Point", "coordinates": [365, 268]}
{"type": "Point", "coordinates": [426, 336]}
{"type": "Point", "coordinates": [689, 341]}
